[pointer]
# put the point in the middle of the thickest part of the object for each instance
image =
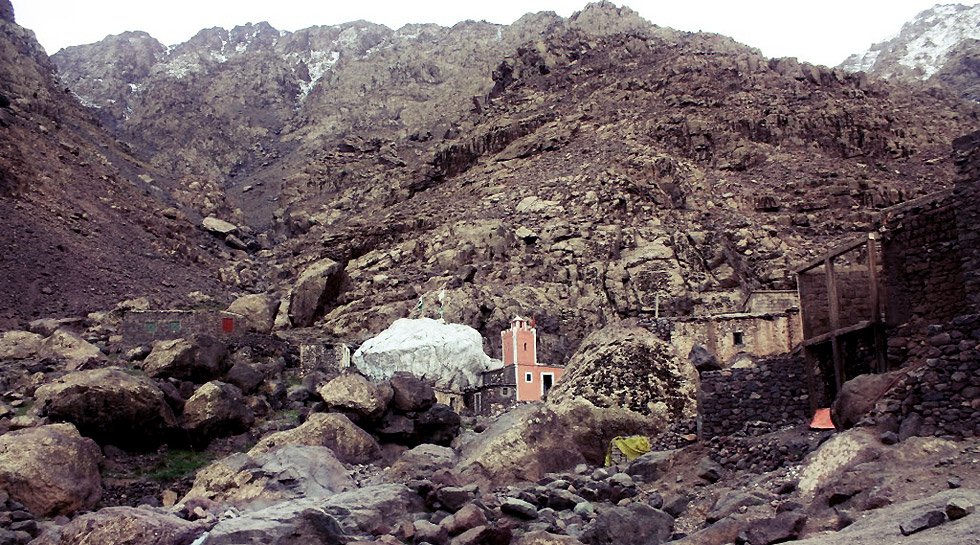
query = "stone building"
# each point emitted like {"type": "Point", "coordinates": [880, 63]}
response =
{"type": "Point", "coordinates": [522, 378]}
{"type": "Point", "coordinates": [143, 327]}
{"type": "Point", "coordinates": [921, 268]}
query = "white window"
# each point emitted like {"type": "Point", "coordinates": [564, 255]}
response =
{"type": "Point", "coordinates": [528, 377]}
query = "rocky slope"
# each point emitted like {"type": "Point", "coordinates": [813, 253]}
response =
{"type": "Point", "coordinates": [581, 171]}
{"type": "Point", "coordinates": [78, 227]}
{"type": "Point", "coordinates": [941, 44]}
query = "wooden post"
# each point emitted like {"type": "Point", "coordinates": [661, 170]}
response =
{"type": "Point", "coordinates": [834, 310]}
{"type": "Point", "coordinates": [881, 357]}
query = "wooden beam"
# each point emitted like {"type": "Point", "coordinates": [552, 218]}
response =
{"type": "Point", "coordinates": [856, 242]}
{"type": "Point", "coordinates": [833, 308]}
{"type": "Point", "coordinates": [820, 339]}
{"type": "Point", "coordinates": [881, 347]}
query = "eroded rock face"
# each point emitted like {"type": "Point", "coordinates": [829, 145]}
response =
{"type": "Point", "coordinates": [630, 368]}
{"type": "Point", "coordinates": [287, 523]}
{"type": "Point", "coordinates": [451, 355]}
{"type": "Point", "coordinates": [75, 352]}
{"type": "Point", "coordinates": [124, 526]}
{"type": "Point", "coordinates": [335, 431]}
{"type": "Point", "coordinates": [51, 469]}
{"type": "Point", "coordinates": [19, 345]}
{"type": "Point", "coordinates": [111, 405]}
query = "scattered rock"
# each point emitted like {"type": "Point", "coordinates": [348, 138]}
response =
{"type": "Point", "coordinates": [929, 519]}
{"type": "Point", "coordinates": [959, 507]}
{"type": "Point", "coordinates": [124, 525]}
{"type": "Point", "coordinates": [783, 527]}
{"type": "Point", "coordinates": [635, 524]}
{"type": "Point", "coordinates": [519, 508]}
{"type": "Point", "coordinates": [286, 523]}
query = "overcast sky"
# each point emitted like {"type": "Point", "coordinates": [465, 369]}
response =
{"type": "Point", "coordinates": [817, 31]}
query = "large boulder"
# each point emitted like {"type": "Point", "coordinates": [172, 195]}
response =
{"type": "Point", "coordinates": [214, 410]}
{"type": "Point", "coordinates": [438, 425]}
{"type": "Point", "coordinates": [335, 431]}
{"type": "Point", "coordinates": [355, 394]}
{"type": "Point", "coordinates": [51, 469]}
{"type": "Point", "coordinates": [631, 368]}
{"type": "Point", "coordinates": [124, 526]}
{"type": "Point", "coordinates": [287, 523]}
{"type": "Point", "coordinates": [420, 463]}
{"type": "Point", "coordinates": [316, 286]}
{"type": "Point", "coordinates": [451, 355]}
{"type": "Point", "coordinates": [592, 428]}
{"type": "Point", "coordinates": [521, 445]}
{"type": "Point", "coordinates": [411, 394]}
{"type": "Point", "coordinates": [199, 359]}
{"type": "Point", "coordinates": [110, 405]}
{"type": "Point", "coordinates": [259, 311]}
{"type": "Point", "coordinates": [634, 524]}
{"type": "Point", "coordinates": [287, 473]}
{"type": "Point", "coordinates": [858, 396]}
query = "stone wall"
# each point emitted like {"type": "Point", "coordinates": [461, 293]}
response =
{"type": "Point", "coordinates": [940, 394]}
{"type": "Point", "coordinates": [773, 392]}
{"type": "Point", "coordinates": [967, 194]}
{"type": "Point", "coordinates": [143, 327]}
{"type": "Point", "coordinates": [772, 301]}
{"type": "Point", "coordinates": [853, 295]}
{"type": "Point", "coordinates": [921, 259]}
{"type": "Point", "coordinates": [728, 335]}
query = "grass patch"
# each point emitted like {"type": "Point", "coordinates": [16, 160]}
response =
{"type": "Point", "coordinates": [177, 464]}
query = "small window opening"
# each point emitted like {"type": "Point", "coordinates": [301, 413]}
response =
{"type": "Point", "coordinates": [505, 391]}
{"type": "Point", "coordinates": [738, 337]}
{"type": "Point", "coordinates": [527, 377]}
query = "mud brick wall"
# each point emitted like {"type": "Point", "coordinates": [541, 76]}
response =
{"type": "Point", "coordinates": [773, 392]}
{"type": "Point", "coordinates": [922, 264]}
{"type": "Point", "coordinates": [853, 295]}
{"type": "Point", "coordinates": [967, 194]}
{"type": "Point", "coordinates": [940, 395]}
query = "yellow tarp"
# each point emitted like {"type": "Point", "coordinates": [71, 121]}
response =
{"type": "Point", "coordinates": [631, 447]}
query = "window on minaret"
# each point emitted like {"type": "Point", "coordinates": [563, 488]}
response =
{"type": "Point", "coordinates": [525, 347]}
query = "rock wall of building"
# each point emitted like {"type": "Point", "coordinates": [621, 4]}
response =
{"type": "Point", "coordinates": [940, 394]}
{"type": "Point", "coordinates": [967, 194]}
{"type": "Point", "coordinates": [773, 392]}
{"type": "Point", "coordinates": [727, 336]}
{"type": "Point", "coordinates": [853, 295]}
{"type": "Point", "coordinates": [922, 263]}
{"type": "Point", "coordinates": [143, 327]}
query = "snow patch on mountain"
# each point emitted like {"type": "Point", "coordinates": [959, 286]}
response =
{"type": "Point", "coordinates": [923, 46]}
{"type": "Point", "coordinates": [946, 28]}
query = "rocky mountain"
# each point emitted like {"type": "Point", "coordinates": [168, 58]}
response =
{"type": "Point", "coordinates": [942, 44]}
{"type": "Point", "coordinates": [581, 171]}
{"type": "Point", "coordinates": [78, 228]}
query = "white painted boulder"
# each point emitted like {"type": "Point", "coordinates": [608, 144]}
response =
{"type": "Point", "coordinates": [450, 355]}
